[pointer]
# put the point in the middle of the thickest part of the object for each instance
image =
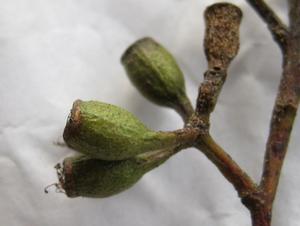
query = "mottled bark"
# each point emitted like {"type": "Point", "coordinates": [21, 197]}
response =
{"type": "Point", "coordinates": [221, 45]}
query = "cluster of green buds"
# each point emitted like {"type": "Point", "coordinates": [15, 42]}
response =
{"type": "Point", "coordinates": [115, 149]}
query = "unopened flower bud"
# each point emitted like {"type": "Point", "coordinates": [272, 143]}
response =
{"type": "Point", "coordinates": [108, 132]}
{"type": "Point", "coordinates": [155, 73]}
{"type": "Point", "coordinates": [222, 34]}
{"type": "Point", "coordinates": [87, 177]}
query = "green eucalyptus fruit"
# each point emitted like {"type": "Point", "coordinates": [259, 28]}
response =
{"type": "Point", "coordinates": [108, 132]}
{"type": "Point", "coordinates": [88, 177]}
{"type": "Point", "coordinates": [155, 73]}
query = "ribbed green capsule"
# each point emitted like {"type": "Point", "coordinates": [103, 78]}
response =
{"type": "Point", "coordinates": [108, 132]}
{"type": "Point", "coordinates": [87, 177]}
{"type": "Point", "coordinates": [155, 73]}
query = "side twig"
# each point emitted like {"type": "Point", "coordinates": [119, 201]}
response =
{"type": "Point", "coordinates": [277, 28]}
{"type": "Point", "coordinates": [227, 166]}
{"type": "Point", "coordinates": [221, 46]}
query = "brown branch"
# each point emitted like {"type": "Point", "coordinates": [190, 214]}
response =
{"type": "Point", "coordinates": [209, 91]}
{"type": "Point", "coordinates": [227, 166]}
{"type": "Point", "coordinates": [221, 46]}
{"type": "Point", "coordinates": [285, 108]}
{"type": "Point", "coordinates": [260, 216]}
{"type": "Point", "coordinates": [277, 28]}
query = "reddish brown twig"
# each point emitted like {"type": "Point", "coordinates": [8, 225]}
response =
{"type": "Point", "coordinates": [285, 108]}
{"type": "Point", "coordinates": [276, 26]}
{"type": "Point", "coordinates": [227, 166]}
{"type": "Point", "coordinates": [221, 46]}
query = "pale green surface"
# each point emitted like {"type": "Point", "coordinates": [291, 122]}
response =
{"type": "Point", "coordinates": [154, 72]}
{"type": "Point", "coordinates": [111, 133]}
{"type": "Point", "coordinates": [97, 178]}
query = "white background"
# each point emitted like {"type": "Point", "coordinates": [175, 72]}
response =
{"type": "Point", "coordinates": [55, 51]}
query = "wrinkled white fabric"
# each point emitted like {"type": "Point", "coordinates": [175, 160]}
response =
{"type": "Point", "coordinates": [53, 52]}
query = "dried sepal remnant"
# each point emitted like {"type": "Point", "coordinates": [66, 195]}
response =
{"type": "Point", "coordinates": [73, 122]}
{"type": "Point", "coordinates": [58, 186]}
{"type": "Point", "coordinates": [221, 41]}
